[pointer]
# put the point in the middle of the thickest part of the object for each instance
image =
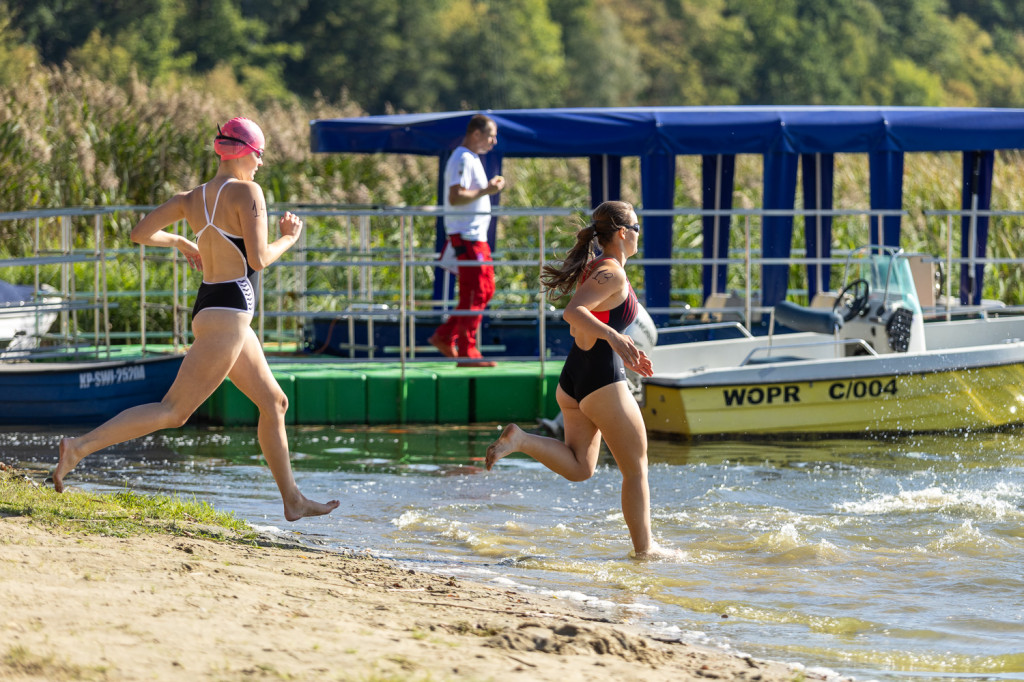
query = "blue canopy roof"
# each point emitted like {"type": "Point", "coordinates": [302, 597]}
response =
{"type": "Point", "coordinates": [787, 136]}
{"type": "Point", "coordinates": [639, 131]}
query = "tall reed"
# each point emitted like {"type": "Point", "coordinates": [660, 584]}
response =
{"type": "Point", "coordinates": [70, 139]}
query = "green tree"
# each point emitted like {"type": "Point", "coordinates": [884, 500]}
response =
{"type": "Point", "coordinates": [422, 55]}
{"type": "Point", "coordinates": [991, 75]}
{"type": "Point", "coordinates": [501, 55]}
{"type": "Point", "coordinates": [690, 53]}
{"type": "Point", "coordinates": [214, 31]}
{"type": "Point", "coordinates": [719, 50]}
{"type": "Point", "coordinates": [279, 16]}
{"type": "Point", "coordinates": [17, 57]}
{"type": "Point", "coordinates": [215, 34]}
{"type": "Point", "coordinates": [661, 33]}
{"type": "Point", "coordinates": [416, 68]}
{"type": "Point", "coordinates": [813, 52]}
{"type": "Point", "coordinates": [904, 83]}
{"type": "Point", "coordinates": [918, 30]}
{"type": "Point", "coordinates": [1002, 19]}
{"type": "Point", "coordinates": [381, 53]}
{"type": "Point", "coordinates": [106, 38]}
{"type": "Point", "coordinates": [56, 27]}
{"type": "Point", "coordinates": [603, 68]}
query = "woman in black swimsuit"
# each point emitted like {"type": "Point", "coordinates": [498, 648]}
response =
{"type": "Point", "coordinates": [592, 390]}
{"type": "Point", "coordinates": [231, 248]}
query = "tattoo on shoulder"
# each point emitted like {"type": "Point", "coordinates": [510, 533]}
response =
{"type": "Point", "coordinates": [603, 276]}
{"type": "Point", "coordinates": [257, 208]}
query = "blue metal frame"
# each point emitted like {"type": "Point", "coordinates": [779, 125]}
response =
{"type": "Point", "coordinates": [658, 134]}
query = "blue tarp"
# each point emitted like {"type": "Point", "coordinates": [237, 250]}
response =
{"type": "Point", "coordinates": [640, 131]}
{"type": "Point", "coordinates": [658, 134]}
{"type": "Point", "coordinates": [15, 294]}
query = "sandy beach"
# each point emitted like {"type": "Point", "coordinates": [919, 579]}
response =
{"type": "Point", "coordinates": [80, 606]}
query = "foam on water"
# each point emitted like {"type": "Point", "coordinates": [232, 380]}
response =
{"type": "Point", "coordinates": [1001, 502]}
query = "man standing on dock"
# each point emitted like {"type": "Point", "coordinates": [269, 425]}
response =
{"type": "Point", "coordinates": [470, 191]}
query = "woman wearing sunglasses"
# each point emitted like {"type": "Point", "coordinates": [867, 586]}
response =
{"type": "Point", "coordinates": [229, 217]}
{"type": "Point", "coordinates": [592, 390]}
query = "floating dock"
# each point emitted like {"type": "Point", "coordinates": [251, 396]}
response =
{"type": "Point", "coordinates": [330, 392]}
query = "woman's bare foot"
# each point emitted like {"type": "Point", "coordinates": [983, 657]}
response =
{"type": "Point", "coordinates": [507, 443]}
{"type": "Point", "coordinates": [656, 552]}
{"type": "Point", "coordinates": [67, 461]}
{"type": "Point", "coordinates": [304, 507]}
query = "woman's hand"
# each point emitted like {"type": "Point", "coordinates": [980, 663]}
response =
{"type": "Point", "coordinates": [191, 252]}
{"type": "Point", "coordinates": [290, 225]}
{"type": "Point", "coordinates": [644, 367]}
{"type": "Point", "coordinates": [632, 357]}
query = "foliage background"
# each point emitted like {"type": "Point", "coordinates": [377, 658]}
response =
{"type": "Point", "coordinates": [114, 103]}
{"type": "Point", "coordinates": [421, 55]}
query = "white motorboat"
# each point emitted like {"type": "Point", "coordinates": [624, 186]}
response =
{"type": "Point", "coordinates": [867, 364]}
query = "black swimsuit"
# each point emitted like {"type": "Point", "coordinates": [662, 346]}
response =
{"type": "Point", "coordinates": [585, 371]}
{"type": "Point", "coordinates": [235, 294]}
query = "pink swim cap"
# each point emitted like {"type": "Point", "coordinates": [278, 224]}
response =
{"type": "Point", "coordinates": [238, 137]}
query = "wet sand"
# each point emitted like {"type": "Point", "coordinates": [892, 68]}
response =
{"type": "Point", "coordinates": [166, 607]}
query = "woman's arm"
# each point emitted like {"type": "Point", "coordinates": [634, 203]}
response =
{"type": "Point", "coordinates": [150, 230]}
{"type": "Point", "coordinates": [252, 215]}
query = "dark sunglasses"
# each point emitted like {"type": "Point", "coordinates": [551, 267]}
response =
{"type": "Point", "coordinates": [635, 227]}
{"type": "Point", "coordinates": [222, 136]}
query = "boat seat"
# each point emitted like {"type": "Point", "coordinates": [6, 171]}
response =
{"type": "Point", "coordinates": [802, 319]}
{"type": "Point", "coordinates": [825, 299]}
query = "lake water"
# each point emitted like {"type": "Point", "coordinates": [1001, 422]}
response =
{"type": "Point", "coordinates": [899, 559]}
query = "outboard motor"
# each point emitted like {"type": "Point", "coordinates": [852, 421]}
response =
{"type": "Point", "coordinates": [898, 329]}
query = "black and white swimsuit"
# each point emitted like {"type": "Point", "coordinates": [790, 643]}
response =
{"type": "Point", "coordinates": [236, 294]}
{"type": "Point", "coordinates": [585, 371]}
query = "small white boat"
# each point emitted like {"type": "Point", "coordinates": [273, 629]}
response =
{"type": "Point", "coordinates": [25, 317]}
{"type": "Point", "coordinates": [869, 364]}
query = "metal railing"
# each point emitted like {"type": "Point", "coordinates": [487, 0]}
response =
{"type": "Point", "coordinates": [368, 265]}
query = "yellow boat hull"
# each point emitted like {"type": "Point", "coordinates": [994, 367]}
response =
{"type": "Point", "coordinates": [977, 398]}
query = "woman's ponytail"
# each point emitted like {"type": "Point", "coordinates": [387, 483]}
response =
{"type": "Point", "coordinates": [560, 280]}
{"type": "Point", "coordinates": [607, 219]}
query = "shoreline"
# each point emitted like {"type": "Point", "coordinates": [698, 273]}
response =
{"type": "Point", "coordinates": [167, 606]}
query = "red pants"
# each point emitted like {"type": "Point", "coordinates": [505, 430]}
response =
{"type": "Point", "coordinates": [476, 288]}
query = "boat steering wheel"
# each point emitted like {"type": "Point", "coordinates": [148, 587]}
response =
{"type": "Point", "coordinates": [852, 299]}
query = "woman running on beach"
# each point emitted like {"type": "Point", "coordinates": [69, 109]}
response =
{"type": "Point", "coordinates": [592, 390]}
{"type": "Point", "coordinates": [231, 248]}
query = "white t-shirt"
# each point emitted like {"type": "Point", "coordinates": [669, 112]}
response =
{"type": "Point", "coordinates": [464, 168]}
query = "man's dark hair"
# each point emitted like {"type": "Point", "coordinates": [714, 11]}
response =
{"type": "Point", "coordinates": [478, 122]}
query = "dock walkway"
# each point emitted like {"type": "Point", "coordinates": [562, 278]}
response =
{"type": "Point", "coordinates": [331, 391]}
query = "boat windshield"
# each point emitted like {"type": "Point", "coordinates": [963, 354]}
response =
{"type": "Point", "coordinates": [890, 274]}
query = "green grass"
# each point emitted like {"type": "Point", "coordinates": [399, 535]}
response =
{"type": "Point", "coordinates": [118, 514]}
{"type": "Point", "coordinates": [23, 662]}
